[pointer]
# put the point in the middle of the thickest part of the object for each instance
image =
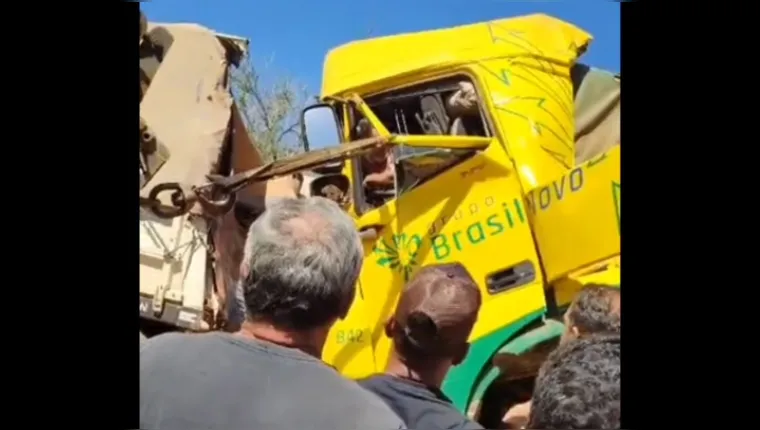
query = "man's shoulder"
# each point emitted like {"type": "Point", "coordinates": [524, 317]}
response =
{"type": "Point", "coordinates": [355, 390]}
{"type": "Point", "coordinates": [377, 383]}
{"type": "Point", "coordinates": [332, 400]}
{"type": "Point", "coordinates": [161, 340]}
{"type": "Point", "coordinates": [468, 424]}
{"type": "Point", "coordinates": [419, 406]}
{"type": "Point", "coordinates": [373, 408]}
{"type": "Point", "coordinates": [176, 341]}
{"type": "Point", "coordinates": [167, 338]}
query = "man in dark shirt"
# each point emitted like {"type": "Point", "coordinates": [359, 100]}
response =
{"type": "Point", "coordinates": [433, 320]}
{"type": "Point", "coordinates": [596, 309]}
{"type": "Point", "coordinates": [578, 387]}
{"type": "Point", "coordinates": [300, 263]}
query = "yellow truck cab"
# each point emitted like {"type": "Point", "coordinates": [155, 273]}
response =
{"type": "Point", "coordinates": [484, 132]}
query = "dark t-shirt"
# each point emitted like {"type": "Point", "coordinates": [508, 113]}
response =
{"type": "Point", "coordinates": [220, 381]}
{"type": "Point", "coordinates": [420, 407]}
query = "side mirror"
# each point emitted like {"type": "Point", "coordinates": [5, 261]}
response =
{"type": "Point", "coordinates": [319, 127]}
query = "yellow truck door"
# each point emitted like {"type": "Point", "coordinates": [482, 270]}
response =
{"type": "Point", "coordinates": [469, 211]}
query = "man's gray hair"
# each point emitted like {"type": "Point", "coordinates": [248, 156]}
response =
{"type": "Point", "coordinates": [301, 260]}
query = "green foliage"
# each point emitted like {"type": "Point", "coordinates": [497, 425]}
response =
{"type": "Point", "coordinates": [271, 112]}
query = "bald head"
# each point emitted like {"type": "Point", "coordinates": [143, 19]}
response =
{"type": "Point", "coordinates": [301, 261]}
{"type": "Point", "coordinates": [307, 228]}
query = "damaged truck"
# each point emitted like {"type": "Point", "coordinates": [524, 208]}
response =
{"type": "Point", "coordinates": [506, 154]}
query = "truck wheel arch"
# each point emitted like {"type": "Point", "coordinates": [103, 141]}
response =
{"type": "Point", "coordinates": [462, 381]}
{"type": "Point", "coordinates": [550, 329]}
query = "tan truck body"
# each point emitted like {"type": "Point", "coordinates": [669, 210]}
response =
{"type": "Point", "coordinates": [190, 128]}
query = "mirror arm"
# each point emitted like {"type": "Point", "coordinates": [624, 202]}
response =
{"type": "Point", "coordinates": [334, 99]}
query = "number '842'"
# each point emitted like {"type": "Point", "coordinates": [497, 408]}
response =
{"type": "Point", "coordinates": [349, 336]}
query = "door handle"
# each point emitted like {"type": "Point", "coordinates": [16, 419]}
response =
{"type": "Point", "coordinates": [370, 232]}
{"type": "Point", "coordinates": [511, 277]}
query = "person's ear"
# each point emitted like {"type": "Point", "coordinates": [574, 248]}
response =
{"type": "Point", "coordinates": [346, 307]}
{"type": "Point", "coordinates": [390, 328]}
{"type": "Point", "coordinates": [574, 330]}
{"type": "Point", "coordinates": [460, 354]}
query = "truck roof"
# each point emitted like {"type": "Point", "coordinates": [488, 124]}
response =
{"type": "Point", "coordinates": [369, 64]}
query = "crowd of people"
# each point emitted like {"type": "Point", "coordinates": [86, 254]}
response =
{"type": "Point", "coordinates": [300, 264]}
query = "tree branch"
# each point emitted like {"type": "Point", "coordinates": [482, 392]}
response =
{"type": "Point", "coordinates": [271, 114]}
{"type": "Point", "coordinates": [291, 129]}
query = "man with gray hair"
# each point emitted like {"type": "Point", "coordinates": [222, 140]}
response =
{"type": "Point", "coordinates": [301, 260]}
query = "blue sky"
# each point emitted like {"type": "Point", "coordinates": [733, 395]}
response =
{"type": "Point", "coordinates": [294, 35]}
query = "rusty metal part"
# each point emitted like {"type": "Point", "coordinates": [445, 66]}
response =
{"type": "Point", "coordinates": [181, 201]}
{"type": "Point", "coordinates": [216, 206]}
{"type": "Point", "coordinates": [232, 184]}
{"type": "Point", "coordinates": [225, 187]}
{"type": "Point", "coordinates": [217, 197]}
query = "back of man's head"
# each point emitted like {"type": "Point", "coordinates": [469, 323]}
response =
{"type": "Point", "coordinates": [596, 309]}
{"type": "Point", "coordinates": [435, 315]}
{"type": "Point", "coordinates": [301, 262]}
{"type": "Point", "coordinates": [578, 387]}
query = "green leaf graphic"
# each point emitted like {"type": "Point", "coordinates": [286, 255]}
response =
{"type": "Point", "coordinates": [385, 261]}
{"type": "Point", "coordinates": [399, 240]}
{"type": "Point", "coordinates": [389, 248]}
{"type": "Point", "coordinates": [381, 251]}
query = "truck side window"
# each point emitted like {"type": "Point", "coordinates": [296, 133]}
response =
{"type": "Point", "coordinates": [449, 106]}
{"type": "Point", "coordinates": [416, 166]}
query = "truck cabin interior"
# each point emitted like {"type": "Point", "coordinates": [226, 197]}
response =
{"type": "Point", "coordinates": [443, 107]}
{"type": "Point", "coordinates": [434, 108]}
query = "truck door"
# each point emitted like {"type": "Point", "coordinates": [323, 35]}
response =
{"type": "Point", "coordinates": [454, 199]}
{"type": "Point", "coordinates": [452, 204]}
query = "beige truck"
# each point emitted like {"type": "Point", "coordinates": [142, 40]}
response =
{"type": "Point", "coordinates": [190, 131]}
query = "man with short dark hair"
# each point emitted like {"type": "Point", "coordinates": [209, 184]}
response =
{"type": "Point", "coordinates": [578, 387]}
{"type": "Point", "coordinates": [301, 260]}
{"type": "Point", "coordinates": [596, 309]}
{"type": "Point", "coordinates": [433, 320]}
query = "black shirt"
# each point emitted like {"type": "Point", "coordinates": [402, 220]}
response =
{"type": "Point", "coordinates": [420, 407]}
